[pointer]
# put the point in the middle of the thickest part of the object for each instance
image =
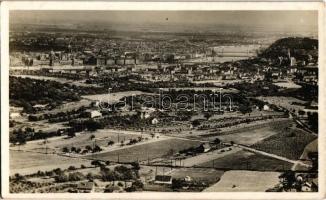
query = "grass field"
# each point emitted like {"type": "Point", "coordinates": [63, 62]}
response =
{"type": "Point", "coordinates": [244, 160]}
{"type": "Point", "coordinates": [30, 162]}
{"type": "Point", "coordinates": [146, 151]}
{"type": "Point", "coordinates": [252, 135]}
{"type": "Point", "coordinates": [288, 143]}
{"type": "Point", "coordinates": [245, 181]}
{"type": "Point", "coordinates": [207, 175]}
{"type": "Point", "coordinates": [101, 136]}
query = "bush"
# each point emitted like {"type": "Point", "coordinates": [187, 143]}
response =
{"type": "Point", "coordinates": [61, 178]}
{"type": "Point", "coordinates": [135, 165]}
{"type": "Point", "coordinates": [71, 168]}
{"type": "Point", "coordinates": [76, 176]}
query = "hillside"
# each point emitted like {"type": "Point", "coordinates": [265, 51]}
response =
{"type": "Point", "coordinates": [302, 49]}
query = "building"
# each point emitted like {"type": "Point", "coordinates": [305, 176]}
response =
{"type": "Point", "coordinates": [163, 179]}
{"type": "Point", "coordinates": [93, 113]}
{"type": "Point", "coordinates": [85, 187]}
{"type": "Point", "coordinates": [266, 107]}
{"type": "Point", "coordinates": [205, 147]}
{"type": "Point", "coordinates": [154, 121]}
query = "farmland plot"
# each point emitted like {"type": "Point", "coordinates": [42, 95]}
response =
{"type": "Point", "coordinates": [146, 151]}
{"type": "Point", "coordinates": [244, 160]}
{"type": "Point", "coordinates": [289, 143]}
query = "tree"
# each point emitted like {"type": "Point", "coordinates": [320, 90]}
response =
{"type": "Point", "coordinates": [89, 148]}
{"type": "Point", "coordinates": [177, 183]}
{"type": "Point", "coordinates": [97, 148]}
{"type": "Point", "coordinates": [71, 168]}
{"type": "Point", "coordinates": [61, 178]}
{"type": "Point", "coordinates": [138, 184]}
{"type": "Point", "coordinates": [288, 179]}
{"type": "Point", "coordinates": [78, 150]}
{"type": "Point", "coordinates": [90, 176]}
{"type": "Point", "coordinates": [92, 137]}
{"type": "Point", "coordinates": [208, 115]}
{"type": "Point", "coordinates": [71, 134]}
{"type": "Point", "coordinates": [19, 177]}
{"type": "Point", "coordinates": [65, 150]}
{"type": "Point", "coordinates": [135, 165]}
{"type": "Point", "coordinates": [21, 138]}
{"type": "Point", "coordinates": [73, 149]}
{"type": "Point", "coordinates": [245, 109]}
{"type": "Point", "coordinates": [195, 123]}
{"type": "Point", "coordinates": [76, 176]}
{"type": "Point", "coordinates": [301, 112]}
{"type": "Point", "coordinates": [217, 141]}
{"type": "Point", "coordinates": [96, 163]}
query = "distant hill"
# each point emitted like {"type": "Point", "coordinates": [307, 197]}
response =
{"type": "Point", "coordinates": [302, 49]}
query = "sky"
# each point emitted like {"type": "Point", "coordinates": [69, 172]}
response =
{"type": "Point", "coordinates": [236, 18]}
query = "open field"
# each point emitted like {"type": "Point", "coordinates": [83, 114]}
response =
{"type": "Point", "coordinates": [216, 90]}
{"type": "Point", "coordinates": [286, 102]}
{"type": "Point", "coordinates": [198, 174]}
{"type": "Point", "coordinates": [30, 162]}
{"type": "Point", "coordinates": [289, 143]}
{"type": "Point", "coordinates": [102, 136]}
{"type": "Point", "coordinates": [287, 84]}
{"type": "Point", "coordinates": [206, 157]}
{"type": "Point", "coordinates": [146, 151]}
{"type": "Point", "coordinates": [113, 97]}
{"type": "Point", "coordinates": [60, 80]}
{"type": "Point", "coordinates": [249, 135]}
{"type": "Point", "coordinates": [245, 181]}
{"type": "Point", "coordinates": [244, 160]}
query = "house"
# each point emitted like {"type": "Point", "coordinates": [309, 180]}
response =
{"type": "Point", "coordinates": [188, 179]}
{"type": "Point", "coordinates": [163, 179]}
{"type": "Point", "coordinates": [85, 187]}
{"type": "Point", "coordinates": [205, 147]}
{"type": "Point", "coordinates": [266, 107]}
{"type": "Point", "coordinates": [93, 113]}
{"type": "Point", "coordinates": [13, 115]}
{"type": "Point", "coordinates": [154, 121]}
{"type": "Point", "coordinates": [40, 107]}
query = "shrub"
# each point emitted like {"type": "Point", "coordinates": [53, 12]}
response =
{"type": "Point", "coordinates": [71, 168]}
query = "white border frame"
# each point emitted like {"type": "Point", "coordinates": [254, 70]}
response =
{"type": "Point", "coordinates": [82, 5]}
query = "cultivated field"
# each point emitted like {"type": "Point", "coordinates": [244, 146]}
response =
{"type": "Point", "coordinates": [102, 137]}
{"type": "Point", "coordinates": [244, 160]}
{"type": "Point", "coordinates": [286, 102]}
{"type": "Point", "coordinates": [289, 143]}
{"type": "Point", "coordinates": [113, 97]}
{"type": "Point", "coordinates": [146, 151]}
{"type": "Point", "coordinates": [30, 162]}
{"type": "Point", "coordinates": [249, 135]}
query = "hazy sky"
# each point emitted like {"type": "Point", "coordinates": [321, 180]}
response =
{"type": "Point", "coordinates": [247, 18]}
